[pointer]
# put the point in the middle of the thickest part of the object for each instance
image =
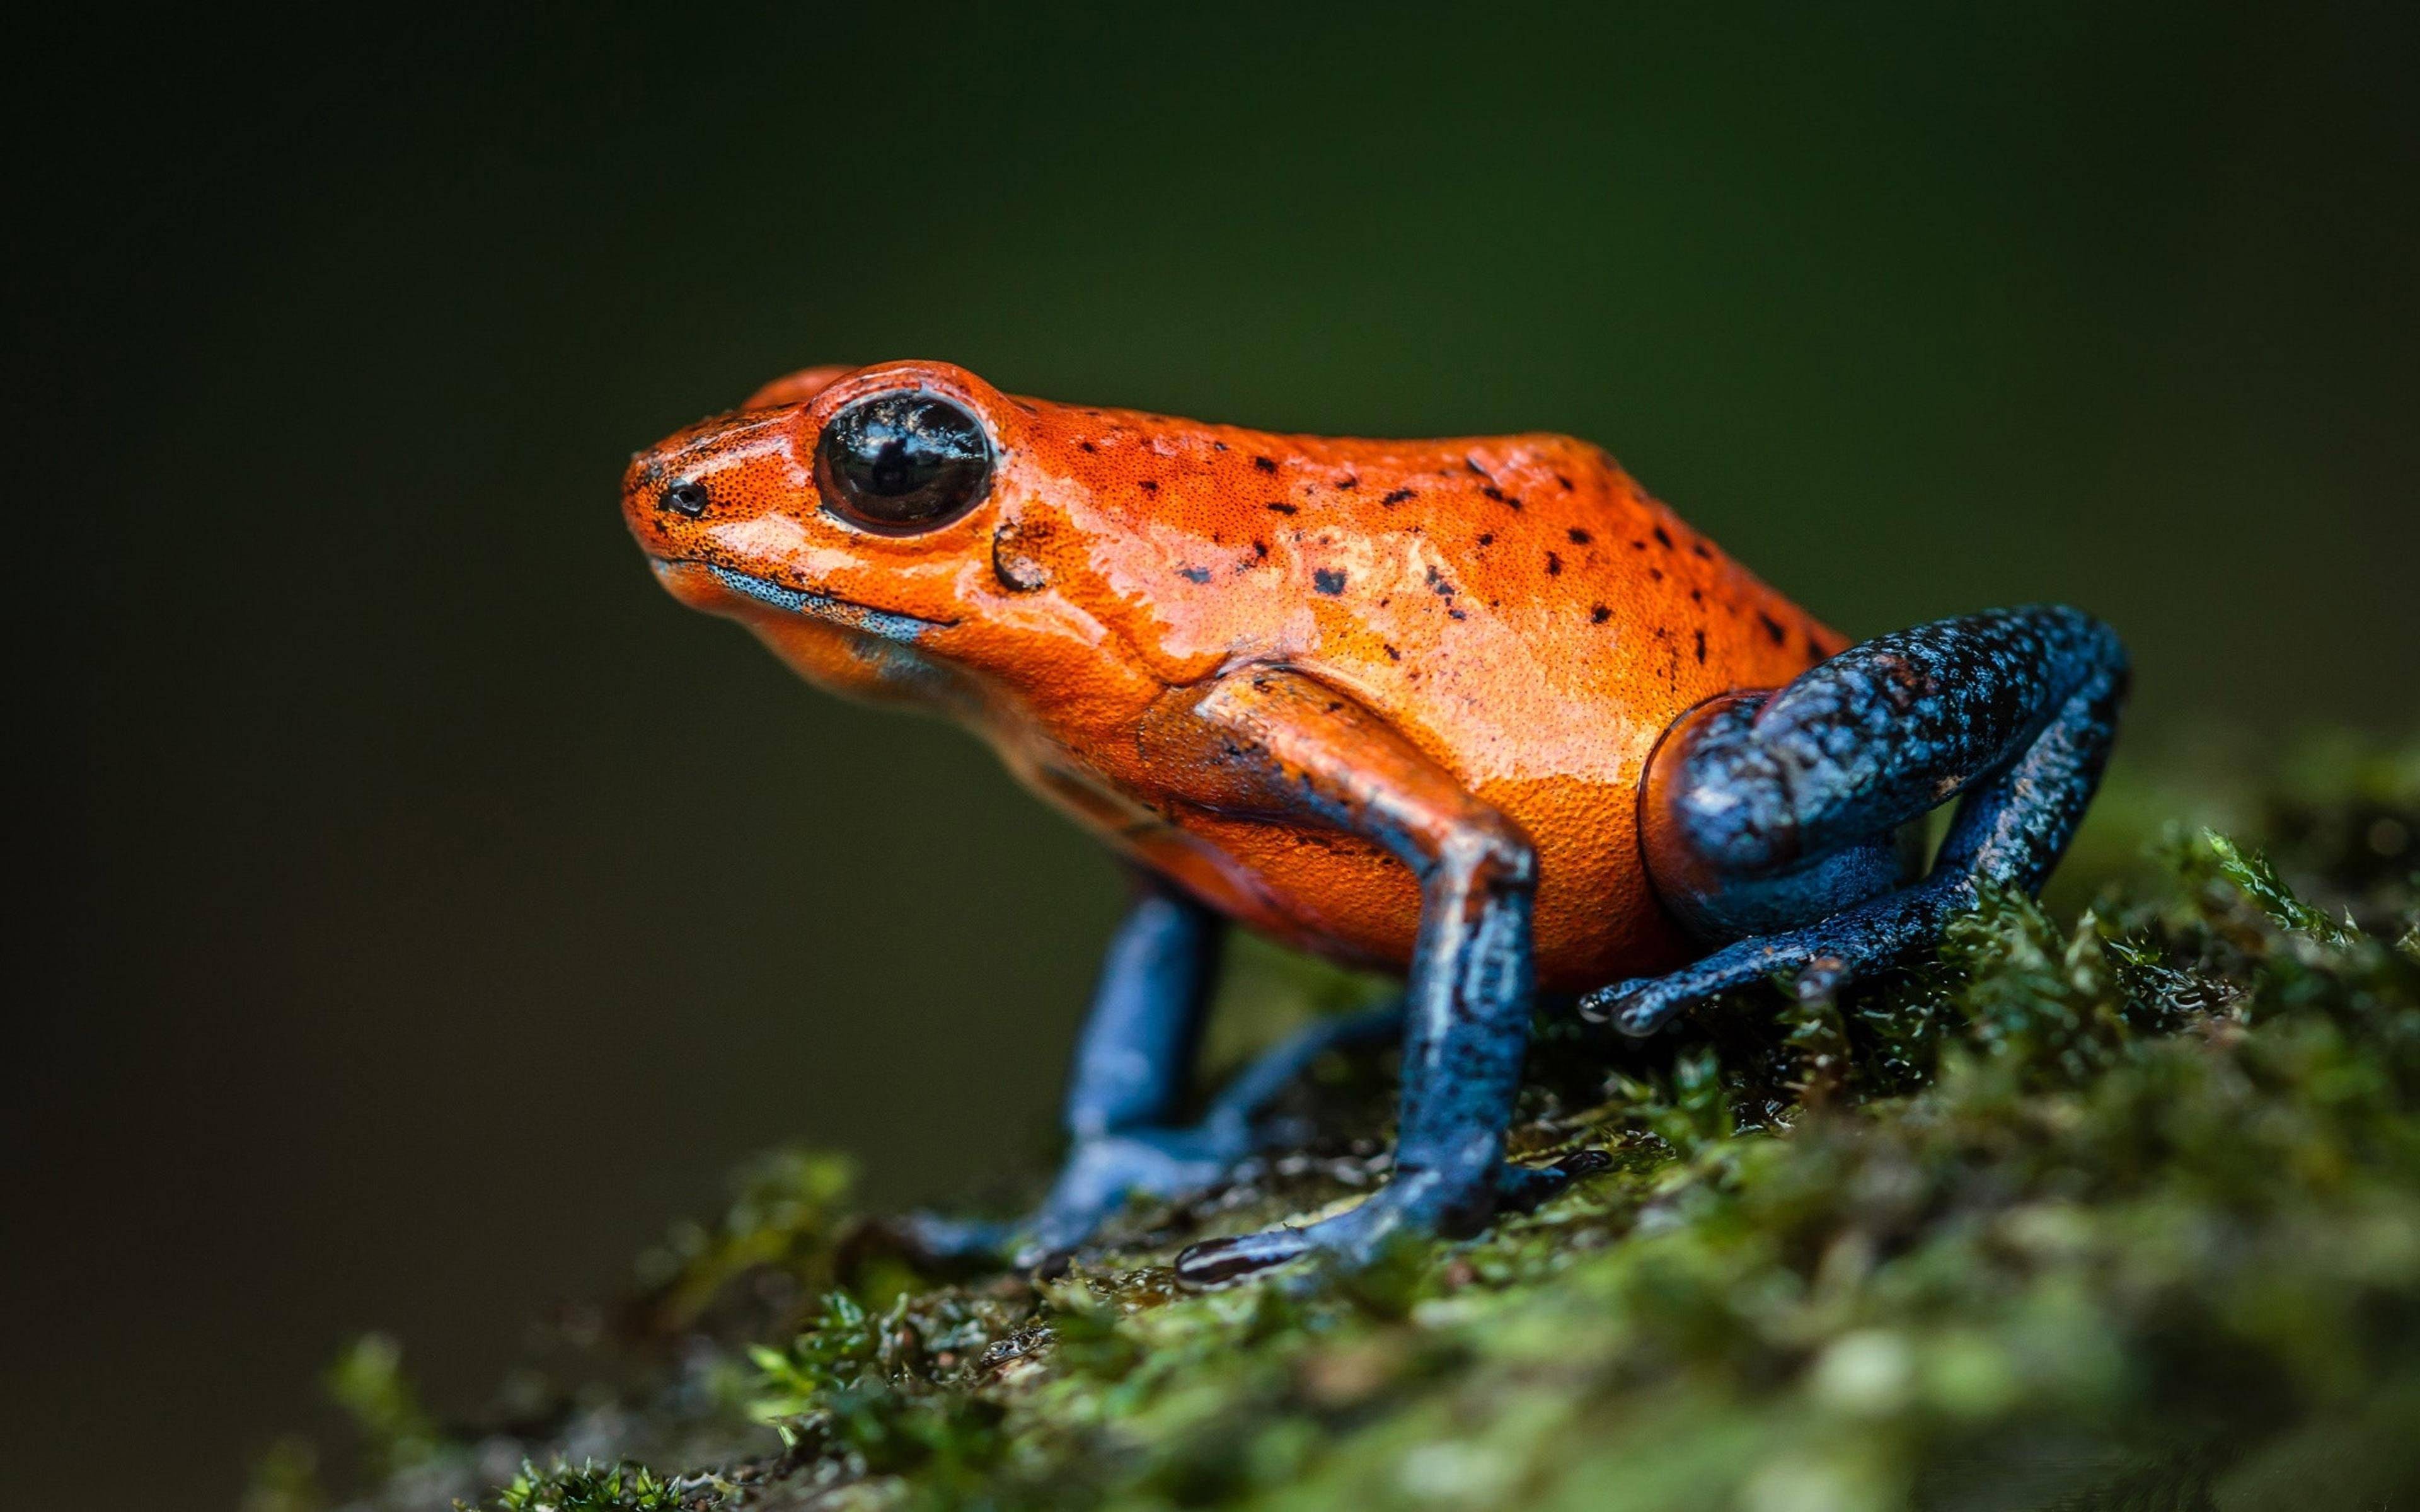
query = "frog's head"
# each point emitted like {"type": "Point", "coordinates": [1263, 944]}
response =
{"type": "Point", "coordinates": [881, 528]}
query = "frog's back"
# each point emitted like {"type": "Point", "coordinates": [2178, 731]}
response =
{"type": "Point", "coordinates": [1518, 606]}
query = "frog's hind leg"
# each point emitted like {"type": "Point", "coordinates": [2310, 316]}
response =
{"type": "Point", "coordinates": [1768, 819]}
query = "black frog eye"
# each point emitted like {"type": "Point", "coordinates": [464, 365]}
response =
{"type": "Point", "coordinates": [899, 463]}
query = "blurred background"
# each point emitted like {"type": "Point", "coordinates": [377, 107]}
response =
{"type": "Point", "coordinates": [389, 967]}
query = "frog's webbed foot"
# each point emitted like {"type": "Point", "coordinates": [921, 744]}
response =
{"type": "Point", "coordinates": [1769, 819]}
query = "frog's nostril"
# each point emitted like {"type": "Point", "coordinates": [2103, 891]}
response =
{"type": "Point", "coordinates": [684, 498]}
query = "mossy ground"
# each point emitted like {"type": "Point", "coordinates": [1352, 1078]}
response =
{"type": "Point", "coordinates": [2116, 1205]}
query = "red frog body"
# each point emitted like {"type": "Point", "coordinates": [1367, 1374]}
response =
{"type": "Point", "coordinates": [1516, 607]}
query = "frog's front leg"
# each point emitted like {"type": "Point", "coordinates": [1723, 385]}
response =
{"type": "Point", "coordinates": [1133, 1067]}
{"type": "Point", "coordinates": [1134, 1062]}
{"type": "Point", "coordinates": [1767, 818]}
{"type": "Point", "coordinates": [1278, 745]}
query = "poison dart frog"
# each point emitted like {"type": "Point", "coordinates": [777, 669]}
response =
{"type": "Point", "coordinates": [1477, 711]}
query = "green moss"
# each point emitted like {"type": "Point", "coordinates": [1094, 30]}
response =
{"type": "Point", "coordinates": [622, 1488]}
{"type": "Point", "coordinates": [785, 1207]}
{"type": "Point", "coordinates": [2116, 1212]}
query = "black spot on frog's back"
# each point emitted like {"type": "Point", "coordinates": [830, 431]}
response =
{"type": "Point", "coordinates": [1329, 581]}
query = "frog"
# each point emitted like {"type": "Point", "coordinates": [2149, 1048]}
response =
{"type": "Point", "coordinates": [1479, 712]}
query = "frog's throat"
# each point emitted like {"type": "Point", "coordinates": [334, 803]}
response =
{"type": "Point", "coordinates": [889, 625]}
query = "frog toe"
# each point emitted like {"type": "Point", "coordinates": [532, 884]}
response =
{"type": "Point", "coordinates": [1819, 960]}
{"type": "Point", "coordinates": [1643, 1005]}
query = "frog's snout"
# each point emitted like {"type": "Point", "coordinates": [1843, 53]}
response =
{"type": "Point", "coordinates": [716, 472]}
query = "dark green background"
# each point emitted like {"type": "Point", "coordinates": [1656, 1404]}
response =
{"type": "Point", "coordinates": [397, 966]}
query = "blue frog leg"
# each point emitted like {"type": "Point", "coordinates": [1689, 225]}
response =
{"type": "Point", "coordinates": [1132, 1077]}
{"type": "Point", "coordinates": [1768, 818]}
{"type": "Point", "coordinates": [1278, 745]}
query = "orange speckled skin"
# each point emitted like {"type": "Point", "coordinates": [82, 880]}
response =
{"type": "Point", "coordinates": [1516, 607]}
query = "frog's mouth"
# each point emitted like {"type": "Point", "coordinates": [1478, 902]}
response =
{"type": "Point", "coordinates": [890, 625]}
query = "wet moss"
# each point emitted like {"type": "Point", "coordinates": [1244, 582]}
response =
{"type": "Point", "coordinates": [2112, 1204]}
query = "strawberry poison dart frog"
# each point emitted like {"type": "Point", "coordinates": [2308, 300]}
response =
{"type": "Point", "coordinates": [1476, 711]}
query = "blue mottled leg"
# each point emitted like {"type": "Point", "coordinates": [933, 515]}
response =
{"type": "Point", "coordinates": [1156, 1160]}
{"type": "Point", "coordinates": [1134, 1063]}
{"type": "Point", "coordinates": [1467, 1025]}
{"type": "Point", "coordinates": [1275, 744]}
{"type": "Point", "coordinates": [1771, 816]}
{"type": "Point", "coordinates": [1134, 1059]}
